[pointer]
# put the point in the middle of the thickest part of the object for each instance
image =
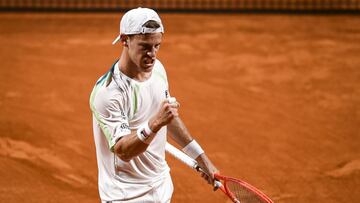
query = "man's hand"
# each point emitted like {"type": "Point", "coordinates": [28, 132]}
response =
{"type": "Point", "coordinates": [168, 111]}
{"type": "Point", "coordinates": [208, 169]}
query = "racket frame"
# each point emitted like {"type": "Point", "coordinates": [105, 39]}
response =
{"type": "Point", "coordinates": [223, 187]}
{"type": "Point", "coordinates": [242, 183]}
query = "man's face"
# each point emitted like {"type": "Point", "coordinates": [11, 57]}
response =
{"type": "Point", "coordinates": [142, 50]}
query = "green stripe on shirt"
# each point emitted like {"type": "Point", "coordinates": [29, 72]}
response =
{"type": "Point", "coordinates": [135, 97]}
{"type": "Point", "coordinates": [103, 127]}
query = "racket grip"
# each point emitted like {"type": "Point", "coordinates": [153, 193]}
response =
{"type": "Point", "coordinates": [181, 156]}
{"type": "Point", "coordinates": [217, 184]}
{"type": "Point", "coordinates": [189, 162]}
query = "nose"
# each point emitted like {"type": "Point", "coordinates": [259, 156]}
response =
{"type": "Point", "coordinates": [152, 52]}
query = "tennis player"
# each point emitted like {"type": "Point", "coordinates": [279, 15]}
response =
{"type": "Point", "coordinates": [132, 111]}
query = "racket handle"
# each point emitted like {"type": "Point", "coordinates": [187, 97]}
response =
{"type": "Point", "coordinates": [217, 184]}
{"type": "Point", "coordinates": [189, 162]}
{"type": "Point", "coordinates": [181, 156]}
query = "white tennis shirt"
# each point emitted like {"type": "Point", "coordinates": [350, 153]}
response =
{"type": "Point", "coordinates": [119, 107]}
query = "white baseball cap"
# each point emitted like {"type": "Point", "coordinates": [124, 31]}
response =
{"type": "Point", "coordinates": [133, 22]}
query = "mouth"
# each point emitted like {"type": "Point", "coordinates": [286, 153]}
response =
{"type": "Point", "coordinates": [149, 62]}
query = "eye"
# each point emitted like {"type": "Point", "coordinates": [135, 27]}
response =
{"type": "Point", "coordinates": [144, 47]}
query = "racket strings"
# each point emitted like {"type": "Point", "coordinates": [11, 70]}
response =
{"type": "Point", "coordinates": [243, 194]}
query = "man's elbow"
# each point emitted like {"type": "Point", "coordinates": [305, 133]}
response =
{"type": "Point", "coordinates": [126, 151]}
{"type": "Point", "coordinates": [121, 151]}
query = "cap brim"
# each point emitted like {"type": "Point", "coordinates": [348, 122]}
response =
{"type": "Point", "coordinates": [116, 40]}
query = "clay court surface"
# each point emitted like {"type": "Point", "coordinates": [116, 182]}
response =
{"type": "Point", "coordinates": [273, 99]}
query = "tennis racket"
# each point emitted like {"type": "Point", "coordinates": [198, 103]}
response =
{"type": "Point", "coordinates": [237, 190]}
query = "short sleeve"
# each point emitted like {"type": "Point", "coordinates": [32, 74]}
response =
{"type": "Point", "coordinates": [110, 115]}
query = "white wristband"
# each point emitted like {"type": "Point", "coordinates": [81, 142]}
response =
{"type": "Point", "coordinates": [144, 133]}
{"type": "Point", "coordinates": [193, 149]}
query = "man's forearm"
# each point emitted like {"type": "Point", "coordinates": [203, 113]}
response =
{"type": "Point", "coordinates": [129, 146]}
{"type": "Point", "coordinates": [137, 142]}
{"type": "Point", "coordinates": [179, 132]}
{"type": "Point", "coordinates": [181, 135]}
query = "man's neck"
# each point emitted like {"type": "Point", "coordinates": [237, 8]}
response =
{"type": "Point", "coordinates": [130, 69]}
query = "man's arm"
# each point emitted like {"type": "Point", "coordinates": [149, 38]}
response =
{"type": "Point", "coordinates": [181, 135]}
{"type": "Point", "coordinates": [129, 146]}
{"type": "Point", "coordinates": [133, 144]}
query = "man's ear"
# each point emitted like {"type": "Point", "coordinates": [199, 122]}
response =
{"type": "Point", "coordinates": [124, 40]}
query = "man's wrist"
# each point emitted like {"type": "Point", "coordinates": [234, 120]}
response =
{"type": "Point", "coordinates": [144, 133]}
{"type": "Point", "coordinates": [193, 149]}
{"type": "Point", "coordinates": [153, 125]}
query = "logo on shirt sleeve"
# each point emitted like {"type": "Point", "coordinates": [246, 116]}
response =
{"type": "Point", "coordinates": [125, 126]}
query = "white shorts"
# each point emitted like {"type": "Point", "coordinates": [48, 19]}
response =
{"type": "Point", "coordinates": [160, 194]}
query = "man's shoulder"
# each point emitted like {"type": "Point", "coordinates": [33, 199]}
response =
{"type": "Point", "coordinates": [105, 93]}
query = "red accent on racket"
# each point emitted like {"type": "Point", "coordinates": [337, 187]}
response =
{"type": "Point", "coordinates": [241, 192]}
{"type": "Point", "coordinates": [237, 190]}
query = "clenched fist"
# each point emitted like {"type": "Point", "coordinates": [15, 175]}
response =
{"type": "Point", "coordinates": [168, 111]}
